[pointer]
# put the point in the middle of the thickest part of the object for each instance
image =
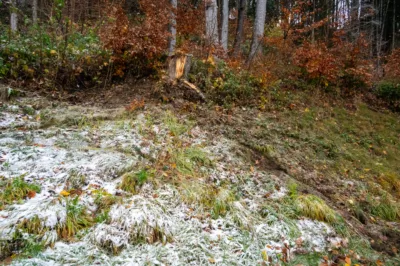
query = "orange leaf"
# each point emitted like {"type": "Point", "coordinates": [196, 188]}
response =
{"type": "Point", "coordinates": [31, 194]}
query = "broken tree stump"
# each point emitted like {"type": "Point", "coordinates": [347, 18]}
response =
{"type": "Point", "coordinates": [179, 66]}
{"type": "Point", "coordinates": [178, 71]}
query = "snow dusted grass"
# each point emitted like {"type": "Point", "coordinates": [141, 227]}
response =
{"type": "Point", "coordinates": [144, 189]}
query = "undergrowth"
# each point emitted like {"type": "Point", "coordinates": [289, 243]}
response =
{"type": "Point", "coordinates": [15, 190]}
{"type": "Point", "coordinates": [77, 218]}
{"type": "Point", "coordinates": [132, 181]}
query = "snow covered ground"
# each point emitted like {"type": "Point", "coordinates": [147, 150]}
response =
{"type": "Point", "coordinates": [157, 225]}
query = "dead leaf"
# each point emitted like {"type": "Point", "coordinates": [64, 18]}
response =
{"type": "Point", "coordinates": [211, 260]}
{"type": "Point", "coordinates": [31, 194]}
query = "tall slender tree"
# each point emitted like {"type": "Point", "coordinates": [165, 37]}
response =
{"type": "Point", "coordinates": [211, 22]}
{"type": "Point", "coordinates": [258, 29]}
{"type": "Point", "coordinates": [240, 27]}
{"type": "Point", "coordinates": [172, 27]}
{"type": "Point", "coordinates": [34, 11]}
{"type": "Point", "coordinates": [14, 16]}
{"type": "Point", "coordinates": [225, 24]}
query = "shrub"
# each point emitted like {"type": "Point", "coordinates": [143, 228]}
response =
{"type": "Point", "coordinates": [389, 91]}
{"type": "Point", "coordinates": [139, 44]}
{"type": "Point", "coordinates": [392, 71]}
{"type": "Point", "coordinates": [224, 85]}
{"type": "Point", "coordinates": [340, 65]}
{"type": "Point", "coordinates": [77, 60]}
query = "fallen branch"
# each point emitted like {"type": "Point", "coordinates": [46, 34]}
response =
{"type": "Point", "coordinates": [189, 85]}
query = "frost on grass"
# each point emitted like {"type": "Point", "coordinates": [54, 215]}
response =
{"type": "Point", "coordinates": [139, 220]}
{"type": "Point", "coordinates": [46, 209]}
{"type": "Point", "coordinates": [214, 218]}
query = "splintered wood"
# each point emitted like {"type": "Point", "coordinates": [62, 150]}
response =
{"type": "Point", "coordinates": [179, 66]}
{"type": "Point", "coordinates": [178, 70]}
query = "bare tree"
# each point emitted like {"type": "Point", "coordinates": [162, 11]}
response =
{"type": "Point", "coordinates": [172, 28]}
{"type": "Point", "coordinates": [211, 21]}
{"type": "Point", "coordinates": [240, 26]}
{"type": "Point", "coordinates": [14, 16]}
{"type": "Point", "coordinates": [225, 24]}
{"type": "Point", "coordinates": [258, 29]}
{"type": "Point", "coordinates": [34, 11]}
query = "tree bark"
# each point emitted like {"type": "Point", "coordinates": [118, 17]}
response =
{"type": "Point", "coordinates": [225, 24]}
{"type": "Point", "coordinates": [172, 28]}
{"type": "Point", "coordinates": [211, 22]}
{"type": "Point", "coordinates": [34, 11]}
{"type": "Point", "coordinates": [239, 28]}
{"type": "Point", "coordinates": [14, 16]}
{"type": "Point", "coordinates": [258, 30]}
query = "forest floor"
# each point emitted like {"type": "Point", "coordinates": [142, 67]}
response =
{"type": "Point", "coordinates": [86, 181]}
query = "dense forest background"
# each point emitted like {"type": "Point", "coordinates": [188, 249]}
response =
{"type": "Point", "coordinates": [241, 48]}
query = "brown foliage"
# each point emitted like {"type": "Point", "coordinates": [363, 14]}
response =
{"type": "Point", "coordinates": [140, 40]}
{"type": "Point", "coordinates": [341, 64]}
{"type": "Point", "coordinates": [392, 69]}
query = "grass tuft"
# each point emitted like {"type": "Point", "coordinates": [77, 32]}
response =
{"type": "Point", "coordinates": [385, 209]}
{"type": "Point", "coordinates": [77, 219]}
{"type": "Point", "coordinates": [133, 180]}
{"type": "Point", "coordinates": [222, 203]}
{"type": "Point", "coordinates": [175, 127]}
{"type": "Point", "coordinates": [75, 180]}
{"type": "Point", "coordinates": [186, 159]}
{"type": "Point", "coordinates": [315, 208]}
{"type": "Point", "coordinates": [16, 189]}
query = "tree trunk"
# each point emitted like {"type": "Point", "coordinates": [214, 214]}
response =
{"type": "Point", "coordinates": [14, 16]}
{"type": "Point", "coordinates": [225, 23]}
{"type": "Point", "coordinates": [211, 22]}
{"type": "Point", "coordinates": [258, 31]}
{"type": "Point", "coordinates": [394, 27]}
{"type": "Point", "coordinates": [239, 28]}
{"type": "Point", "coordinates": [34, 11]}
{"type": "Point", "coordinates": [172, 28]}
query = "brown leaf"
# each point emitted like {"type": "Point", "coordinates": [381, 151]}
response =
{"type": "Point", "coordinates": [31, 194]}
